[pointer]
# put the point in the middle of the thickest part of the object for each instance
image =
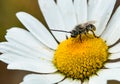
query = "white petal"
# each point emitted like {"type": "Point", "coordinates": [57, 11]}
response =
{"type": "Point", "coordinates": [37, 29]}
{"type": "Point", "coordinates": [86, 82]}
{"type": "Point", "coordinates": [112, 65]}
{"type": "Point", "coordinates": [17, 36]}
{"type": "Point", "coordinates": [81, 10]}
{"type": "Point", "coordinates": [70, 81]}
{"type": "Point", "coordinates": [25, 63]}
{"type": "Point", "coordinates": [53, 17]}
{"type": "Point", "coordinates": [5, 48]}
{"type": "Point", "coordinates": [42, 79]}
{"type": "Point", "coordinates": [114, 56]}
{"type": "Point", "coordinates": [34, 80]}
{"type": "Point", "coordinates": [16, 48]}
{"type": "Point", "coordinates": [24, 37]}
{"type": "Point", "coordinates": [110, 74]}
{"type": "Point", "coordinates": [35, 65]}
{"type": "Point", "coordinates": [100, 11]}
{"type": "Point", "coordinates": [97, 80]}
{"type": "Point", "coordinates": [9, 57]}
{"type": "Point", "coordinates": [68, 13]}
{"type": "Point", "coordinates": [112, 33]}
{"type": "Point", "coordinates": [115, 49]}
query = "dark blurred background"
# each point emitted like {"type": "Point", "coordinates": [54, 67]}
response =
{"type": "Point", "coordinates": [8, 9]}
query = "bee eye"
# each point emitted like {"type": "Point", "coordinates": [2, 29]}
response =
{"type": "Point", "coordinates": [74, 33]}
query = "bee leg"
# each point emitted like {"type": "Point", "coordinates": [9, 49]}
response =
{"type": "Point", "coordinates": [94, 34]}
{"type": "Point", "coordinates": [66, 37]}
{"type": "Point", "coordinates": [80, 38]}
{"type": "Point", "coordinates": [86, 35]}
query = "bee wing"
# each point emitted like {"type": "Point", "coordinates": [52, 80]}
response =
{"type": "Point", "coordinates": [89, 22]}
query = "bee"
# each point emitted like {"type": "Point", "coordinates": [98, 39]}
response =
{"type": "Point", "coordinates": [81, 29]}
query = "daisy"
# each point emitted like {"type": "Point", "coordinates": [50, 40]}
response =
{"type": "Point", "coordinates": [57, 60]}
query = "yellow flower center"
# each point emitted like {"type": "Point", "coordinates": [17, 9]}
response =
{"type": "Point", "coordinates": [80, 60]}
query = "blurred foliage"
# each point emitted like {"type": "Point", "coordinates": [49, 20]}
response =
{"type": "Point", "coordinates": [8, 19]}
{"type": "Point", "coordinates": [8, 9]}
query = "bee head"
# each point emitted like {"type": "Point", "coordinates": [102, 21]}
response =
{"type": "Point", "coordinates": [74, 33]}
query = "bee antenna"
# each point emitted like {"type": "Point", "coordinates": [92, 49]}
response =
{"type": "Point", "coordinates": [60, 30]}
